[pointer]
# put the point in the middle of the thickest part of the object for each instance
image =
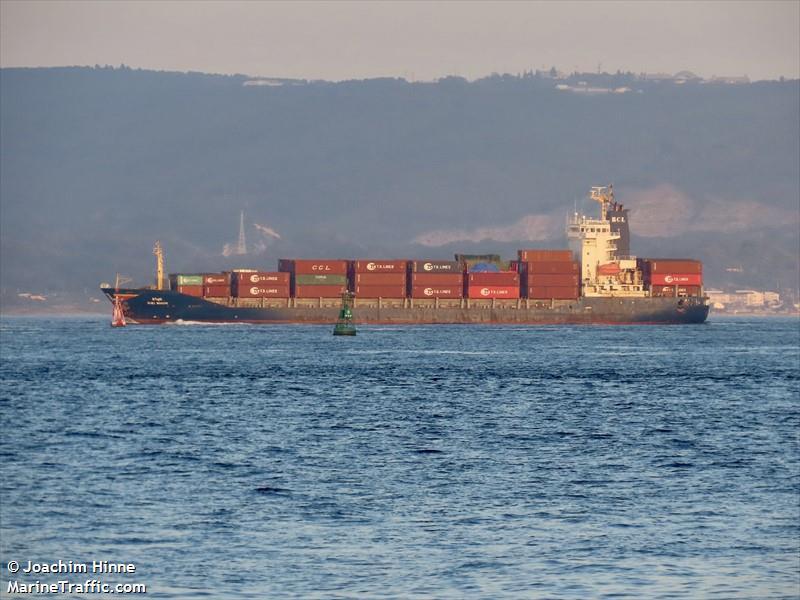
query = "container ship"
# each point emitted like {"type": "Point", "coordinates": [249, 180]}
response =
{"type": "Point", "coordinates": [594, 280]}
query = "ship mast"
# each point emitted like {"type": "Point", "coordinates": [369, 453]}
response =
{"type": "Point", "coordinates": [159, 252]}
{"type": "Point", "coordinates": [605, 196]}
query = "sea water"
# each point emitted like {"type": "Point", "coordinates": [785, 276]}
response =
{"type": "Point", "coordinates": [407, 462]}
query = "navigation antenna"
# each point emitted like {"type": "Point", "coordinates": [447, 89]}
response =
{"type": "Point", "coordinates": [159, 252]}
{"type": "Point", "coordinates": [605, 196]}
{"type": "Point", "coordinates": [242, 247]}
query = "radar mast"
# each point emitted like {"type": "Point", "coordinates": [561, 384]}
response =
{"type": "Point", "coordinates": [159, 252]}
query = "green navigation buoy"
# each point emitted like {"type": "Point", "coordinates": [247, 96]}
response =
{"type": "Point", "coordinates": [344, 325]}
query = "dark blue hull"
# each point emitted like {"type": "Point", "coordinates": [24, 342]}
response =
{"type": "Point", "coordinates": [162, 306]}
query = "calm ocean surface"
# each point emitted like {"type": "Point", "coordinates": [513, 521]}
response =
{"type": "Point", "coordinates": [425, 462]}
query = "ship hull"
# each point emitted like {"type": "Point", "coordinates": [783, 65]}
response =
{"type": "Point", "coordinates": [146, 306]}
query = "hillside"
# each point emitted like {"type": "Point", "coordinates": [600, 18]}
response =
{"type": "Point", "coordinates": [98, 163]}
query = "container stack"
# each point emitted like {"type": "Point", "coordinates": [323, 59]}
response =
{"type": "Point", "coordinates": [379, 278]}
{"type": "Point", "coordinates": [217, 285]}
{"type": "Point", "coordinates": [435, 279]}
{"type": "Point", "coordinates": [260, 284]}
{"type": "Point", "coordinates": [191, 285]}
{"type": "Point", "coordinates": [316, 278]}
{"type": "Point", "coordinates": [492, 284]}
{"type": "Point", "coordinates": [672, 277]}
{"type": "Point", "coordinates": [549, 274]}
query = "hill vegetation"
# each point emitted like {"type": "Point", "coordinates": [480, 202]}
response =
{"type": "Point", "coordinates": [98, 163]}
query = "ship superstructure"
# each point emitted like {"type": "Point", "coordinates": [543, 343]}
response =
{"type": "Point", "coordinates": [602, 245]}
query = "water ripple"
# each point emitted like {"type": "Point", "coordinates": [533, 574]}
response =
{"type": "Point", "coordinates": [446, 462]}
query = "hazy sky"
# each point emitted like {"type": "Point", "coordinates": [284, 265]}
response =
{"type": "Point", "coordinates": [416, 40]}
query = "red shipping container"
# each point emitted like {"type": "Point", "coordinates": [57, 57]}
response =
{"type": "Point", "coordinates": [191, 290]}
{"type": "Point", "coordinates": [313, 267]}
{"type": "Point", "coordinates": [216, 291]}
{"type": "Point", "coordinates": [544, 255]}
{"type": "Point", "coordinates": [669, 290]}
{"type": "Point", "coordinates": [269, 279]}
{"type": "Point", "coordinates": [263, 291]}
{"type": "Point", "coordinates": [437, 279]}
{"type": "Point", "coordinates": [214, 279]}
{"type": "Point", "coordinates": [381, 291]}
{"type": "Point", "coordinates": [676, 279]}
{"type": "Point", "coordinates": [554, 267]}
{"type": "Point", "coordinates": [554, 292]}
{"type": "Point", "coordinates": [381, 278]}
{"type": "Point", "coordinates": [437, 291]}
{"type": "Point", "coordinates": [673, 265]}
{"type": "Point", "coordinates": [380, 266]}
{"type": "Point", "coordinates": [319, 291]}
{"type": "Point", "coordinates": [547, 279]}
{"type": "Point", "coordinates": [492, 291]}
{"type": "Point", "coordinates": [499, 278]}
{"type": "Point", "coordinates": [435, 266]}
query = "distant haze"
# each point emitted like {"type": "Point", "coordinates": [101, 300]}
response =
{"type": "Point", "coordinates": [415, 40]}
{"type": "Point", "coordinates": [98, 163]}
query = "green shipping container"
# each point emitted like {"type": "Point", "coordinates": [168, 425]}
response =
{"type": "Point", "coordinates": [189, 279]}
{"type": "Point", "coordinates": [320, 279]}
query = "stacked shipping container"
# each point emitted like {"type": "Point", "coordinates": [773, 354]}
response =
{"type": "Point", "coordinates": [539, 274]}
{"type": "Point", "coordinates": [217, 285]}
{"type": "Point", "coordinates": [379, 278]}
{"type": "Point", "coordinates": [191, 285]}
{"type": "Point", "coordinates": [241, 284]}
{"type": "Point", "coordinates": [549, 274]}
{"type": "Point", "coordinates": [316, 278]}
{"type": "Point", "coordinates": [435, 279]}
{"type": "Point", "coordinates": [260, 284]}
{"type": "Point", "coordinates": [492, 284]}
{"type": "Point", "coordinates": [673, 277]}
